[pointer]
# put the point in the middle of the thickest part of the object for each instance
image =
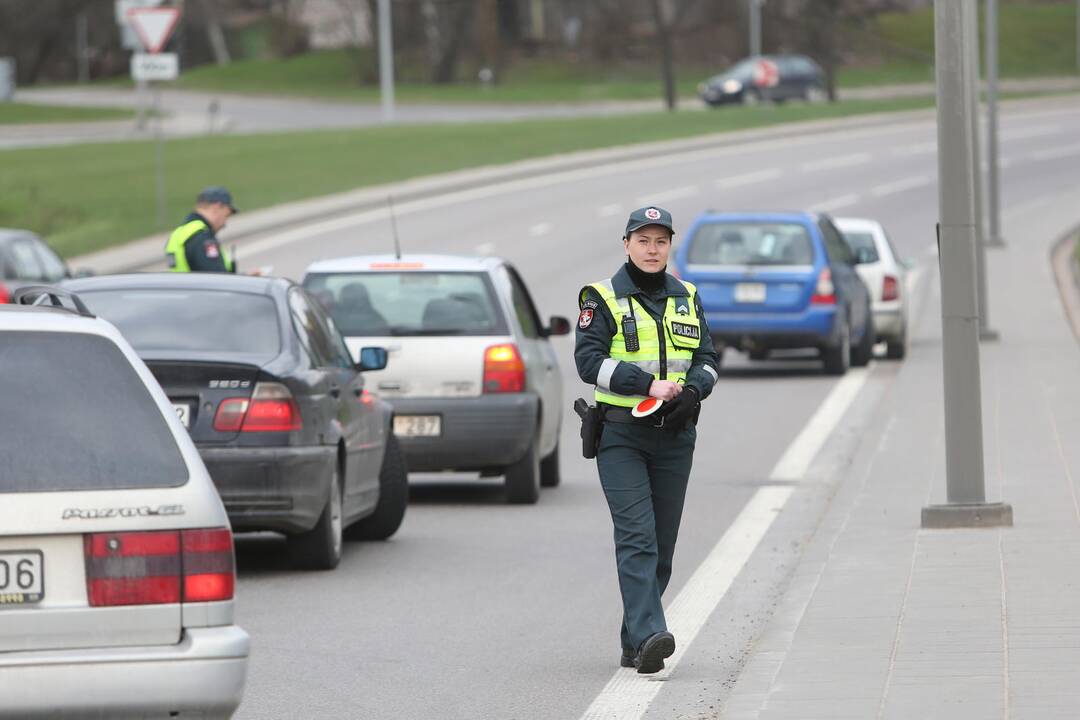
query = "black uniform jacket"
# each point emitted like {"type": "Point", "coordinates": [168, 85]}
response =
{"type": "Point", "coordinates": [203, 250]}
{"type": "Point", "coordinates": [596, 329]}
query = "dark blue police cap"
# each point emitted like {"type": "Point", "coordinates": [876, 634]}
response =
{"type": "Point", "coordinates": [216, 194]}
{"type": "Point", "coordinates": [648, 216]}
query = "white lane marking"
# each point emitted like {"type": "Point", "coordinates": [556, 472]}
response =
{"type": "Point", "coordinates": [836, 203]}
{"type": "Point", "coordinates": [843, 161]}
{"type": "Point", "coordinates": [664, 196]}
{"type": "Point", "coordinates": [627, 695]}
{"type": "Point", "coordinates": [609, 210]}
{"type": "Point", "coordinates": [1029, 132]}
{"type": "Point", "coordinates": [539, 229]}
{"type": "Point", "coordinates": [796, 459]}
{"type": "Point", "coordinates": [901, 185]}
{"type": "Point", "coordinates": [1056, 152]}
{"type": "Point", "coordinates": [485, 249]}
{"type": "Point", "coordinates": [915, 149]}
{"type": "Point", "coordinates": [733, 181]}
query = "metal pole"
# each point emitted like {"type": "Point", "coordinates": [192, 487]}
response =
{"type": "Point", "coordinates": [82, 47]}
{"type": "Point", "coordinates": [755, 27]}
{"type": "Point", "coordinates": [965, 489]}
{"type": "Point", "coordinates": [971, 29]}
{"type": "Point", "coordinates": [159, 159]}
{"type": "Point", "coordinates": [993, 193]}
{"type": "Point", "coordinates": [386, 61]}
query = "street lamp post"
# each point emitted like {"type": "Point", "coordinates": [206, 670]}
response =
{"type": "Point", "coordinates": [755, 26]}
{"type": "Point", "coordinates": [993, 194]}
{"type": "Point", "coordinates": [386, 61]}
{"type": "Point", "coordinates": [965, 484]}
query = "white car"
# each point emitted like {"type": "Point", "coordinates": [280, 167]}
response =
{"type": "Point", "coordinates": [884, 273]}
{"type": "Point", "coordinates": [116, 557]}
{"type": "Point", "coordinates": [473, 379]}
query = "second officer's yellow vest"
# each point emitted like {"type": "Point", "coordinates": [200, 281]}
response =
{"type": "Point", "coordinates": [665, 353]}
{"type": "Point", "coordinates": [176, 253]}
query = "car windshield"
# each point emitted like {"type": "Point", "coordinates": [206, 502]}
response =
{"type": "Point", "coordinates": [409, 303]}
{"type": "Point", "coordinates": [74, 415]}
{"type": "Point", "coordinates": [191, 320]}
{"type": "Point", "coordinates": [751, 243]}
{"type": "Point", "coordinates": [862, 246]}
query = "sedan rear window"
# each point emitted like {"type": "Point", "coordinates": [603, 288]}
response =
{"type": "Point", "coordinates": [191, 320]}
{"type": "Point", "coordinates": [409, 303]}
{"type": "Point", "coordinates": [862, 246]}
{"type": "Point", "coordinates": [751, 244]}
{"type": "Point", "coordinates": [74, 415]}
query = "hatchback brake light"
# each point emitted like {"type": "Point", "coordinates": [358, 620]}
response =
{"type": "Point", "coordinates": [824, 291]}
{"type": "Point", "coordinates": [504, 370]}
{"type": "Point", "coordinates": [5, 296]}
{"type": "Point", "coordinates": [159, 567]}
{"type": "Point", "coordinates": [890, 288]}
{"type": "Point", "coordinates": [272, 408]}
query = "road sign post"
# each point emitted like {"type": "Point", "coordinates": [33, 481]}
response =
{"type": "Point", "coordinates": [965, 484]}
{"type": "Point", "coordinates": [993, 194]}
{"type": "Point", "coordinates": [755, 27]}
{"type": "Point", "coordinates": [386, 61]}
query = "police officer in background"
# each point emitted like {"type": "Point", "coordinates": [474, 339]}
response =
{"type": "Point", "coordinates": [642, 334]}
{"type": "Point", "coordinates": [194, 247]}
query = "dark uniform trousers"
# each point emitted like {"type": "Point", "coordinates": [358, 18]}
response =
{"type": "Point", "coordinates": [644, 472]}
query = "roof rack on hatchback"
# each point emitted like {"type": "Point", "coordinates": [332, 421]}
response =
{"type": "Point", "coordinates": [37, 295]}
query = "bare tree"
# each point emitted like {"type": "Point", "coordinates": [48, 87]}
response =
{"type": "Point", "coordinates": [661, 15]}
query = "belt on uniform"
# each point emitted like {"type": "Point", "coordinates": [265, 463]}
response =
{"type": "Point", "coordinates": [616, 414]}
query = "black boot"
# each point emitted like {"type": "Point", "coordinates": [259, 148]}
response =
{"type": "Point", "coordinates": [651, 654]}
{"type": "Point", "coordinates": [628, 657]}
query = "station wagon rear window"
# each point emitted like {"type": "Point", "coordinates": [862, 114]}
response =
{"type": "Point", "coordinates": [191, 320]}
{"type": "Point", "coordinates": [434, 303]}
{"type": "Point", "coordinates": [862, 243]}
{"type": "Point", "coordinates": [74, 415]}
{"type": "Point", "coordinates": [751, 243]}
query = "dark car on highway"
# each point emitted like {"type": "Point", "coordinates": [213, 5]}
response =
{"type": "Point", "coordinates": [769, 78]}
{"type": "Point", "coordinates": [25, 259]}
{"type": "Point", "coordinates": [275, 404]}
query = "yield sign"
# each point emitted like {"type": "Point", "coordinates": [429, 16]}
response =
{"type": "Point", "coordinates": [154, 25]}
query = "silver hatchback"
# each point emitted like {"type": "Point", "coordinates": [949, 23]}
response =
{"type": "Point", "coordinates": [116, 557]}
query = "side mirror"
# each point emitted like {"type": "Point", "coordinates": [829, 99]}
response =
{"type": "Point", "coordinates": [372, 358]}
{"type": "Point", "coordinates": [558, 325]}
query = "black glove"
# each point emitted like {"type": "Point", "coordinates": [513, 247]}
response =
{"type": "Point", "coordinates": [681, 410]}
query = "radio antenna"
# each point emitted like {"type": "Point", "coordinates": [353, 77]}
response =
{"type": "Point", "coordinates": [393, 225]}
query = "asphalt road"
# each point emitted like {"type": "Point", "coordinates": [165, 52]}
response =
{"type": "Point", "coordinates": [476, 609]}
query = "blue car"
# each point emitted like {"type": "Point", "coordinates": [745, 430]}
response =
{"type": "Point", "coordinates": [779, 280]}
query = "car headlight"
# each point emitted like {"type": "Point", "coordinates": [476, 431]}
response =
{"type": "Point", "coordinates": [732, 86]}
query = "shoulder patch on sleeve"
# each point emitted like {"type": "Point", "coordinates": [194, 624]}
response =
{"type": "Point", "coordinates": [585, 318]}
{"type": "Point", "coordinates": [590, 303]}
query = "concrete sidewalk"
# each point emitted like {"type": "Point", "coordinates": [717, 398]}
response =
{"type": "Point", "coordinates": [885, 620]}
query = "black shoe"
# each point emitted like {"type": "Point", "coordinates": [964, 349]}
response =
{"type": "Point", "coordinates": [650, 657]}
{"type": "Point", "coordinates": [627, 659]}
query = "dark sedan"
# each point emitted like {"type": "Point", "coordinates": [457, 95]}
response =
{"type": "Point", "coordinates": [25, 259]}
{"type": "Point", "coordinates": [275, 404]}
{"type": "Point", "coordinates": [769, 78]}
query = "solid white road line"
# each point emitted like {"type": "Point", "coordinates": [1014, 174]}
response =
{"type": "Point", "coordinates": [835, 203]}
{"type": "Point", "coordinates": [797, 458]}
{"type": "Point", "coordinates": [733, 181]}
{"type": "Point", "coordinates": [627, 695]}
{"type": "Point", "coordinates": [915, 149]}
{"type": "Point", "coordinates": [1029, 132]}
{"type": "Point", "coordinates": [843, 161]}
{"type": "Point", "coordinates": [664, 196]}
{"type": "Point", "coordinates": [910, 183]}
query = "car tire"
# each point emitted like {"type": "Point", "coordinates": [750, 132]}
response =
{"type": "Point", "coordinates": [549, 469]}
{"type": "Point", "coordinates": [393, 498]}
{"type": "Point", "coordinates": [837, 358]}
{"type": "Point", "coordinates": [523, 478]}
{"type": "Point", "coordinates": [863, 353]}
{"type": "Point", "coordinates": [896, 348]}
{"type": "Point", "coordinates": [759, 354]}
{"type": "Point", "coordinates": [320, 547]}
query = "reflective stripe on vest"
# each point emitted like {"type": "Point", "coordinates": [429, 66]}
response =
{"type": "Point", "coordinates": [681, 337]}
{"type": "Point", "coordinates": [176, 252]}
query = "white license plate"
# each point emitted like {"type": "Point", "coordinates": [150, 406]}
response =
{"type": "Point", "coordinates": [750, 292]}
{"type": "Point", "coordinates": [22, 577]}
{"type": "Point", "coordinates": [418, 425]}
{"type": "Point", "coordinates": [183, 411]}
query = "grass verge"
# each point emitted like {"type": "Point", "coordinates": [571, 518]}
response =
{"type": "Point", "coordinates": [23, 113]}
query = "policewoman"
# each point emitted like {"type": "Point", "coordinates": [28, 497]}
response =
{"type": "Point", "coordinates": [642, 334]}
{"type": "Point", "coordinates": [194, 247]}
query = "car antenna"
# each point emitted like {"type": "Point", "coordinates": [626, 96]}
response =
{"type": "Point", "coordinates": [393, 225]}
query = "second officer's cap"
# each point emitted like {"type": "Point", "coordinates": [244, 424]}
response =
{"type": "Point", "coordinates": [648, 216]}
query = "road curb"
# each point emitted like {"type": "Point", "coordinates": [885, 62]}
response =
{"type": "Point", "coordinates": [1066, 270]}
{"type": "Point", "coordinates": [148, 251]}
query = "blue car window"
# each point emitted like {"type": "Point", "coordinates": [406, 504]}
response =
{"type": "Point", "coordinates": [751, 243]}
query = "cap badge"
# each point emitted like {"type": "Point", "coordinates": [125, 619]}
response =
{"type": "Point", "coordinates": [652, 214]}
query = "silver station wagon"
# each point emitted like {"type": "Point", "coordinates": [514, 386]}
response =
{"type": "Point", "coordinates": [473, 378]}
{"type": "Point", "coordinates": [116, 557]}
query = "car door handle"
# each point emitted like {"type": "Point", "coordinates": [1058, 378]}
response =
{"type": "Point", "coordinates": [335, 392]}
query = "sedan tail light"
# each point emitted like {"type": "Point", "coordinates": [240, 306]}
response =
{"type": "Point", "coordinates": [504, 370]}
{"type": "Point", "coordinates": [153, 568]}
{"type": "Point", "coordinates": [272, 408]}
{"type": "Point", "coordinates": [890, 288]}
{"type": "Point", "coordinates": [824, 291]}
